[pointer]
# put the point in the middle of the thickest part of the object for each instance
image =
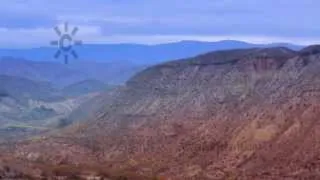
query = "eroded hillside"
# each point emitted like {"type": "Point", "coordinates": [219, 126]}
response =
{"type": "Point", "coordinates": [240, 114]}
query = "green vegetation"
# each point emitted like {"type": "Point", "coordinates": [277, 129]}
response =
{"type": "Point", "coordinates": [23, 127]}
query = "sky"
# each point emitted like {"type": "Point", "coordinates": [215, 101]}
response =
{"type": "Point", "coordinates": [25, 23]}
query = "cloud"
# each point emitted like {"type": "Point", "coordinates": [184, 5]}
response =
{"type": "Point", "coordinates": [152, 21]}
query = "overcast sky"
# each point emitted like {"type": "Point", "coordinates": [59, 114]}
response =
{"type": "Point", "coordinates": [30, 22]}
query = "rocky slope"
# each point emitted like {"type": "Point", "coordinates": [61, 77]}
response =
{"type": "Point", "coordinates": [240, 114]}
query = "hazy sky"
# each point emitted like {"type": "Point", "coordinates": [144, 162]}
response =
{"type": "Point", "coordinates": [31, 22]}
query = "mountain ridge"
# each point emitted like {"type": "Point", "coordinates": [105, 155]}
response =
{"type": "Point", "coordinates": [61, 75]}
{"type": "Point", "coordinates": [140, 54]}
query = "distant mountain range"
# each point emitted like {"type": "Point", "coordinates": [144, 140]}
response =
{"type": "Point", "coordinates": [138, 53]}
{"type": "Point", "coordinates": [23, 89]}
{"type": "Point", "coordinates": [61, 75]}
{"type": "Point", "coordinates": [108, 63]}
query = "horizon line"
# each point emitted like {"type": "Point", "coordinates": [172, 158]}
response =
{"type": "Point", "coordinates": [164, 43]}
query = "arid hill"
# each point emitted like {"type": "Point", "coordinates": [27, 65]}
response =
{"type": "Point", "coordinates": [240, 114]}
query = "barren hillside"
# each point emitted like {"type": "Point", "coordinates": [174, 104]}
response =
{"type": "Point", "coordinates": [240, 114]}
